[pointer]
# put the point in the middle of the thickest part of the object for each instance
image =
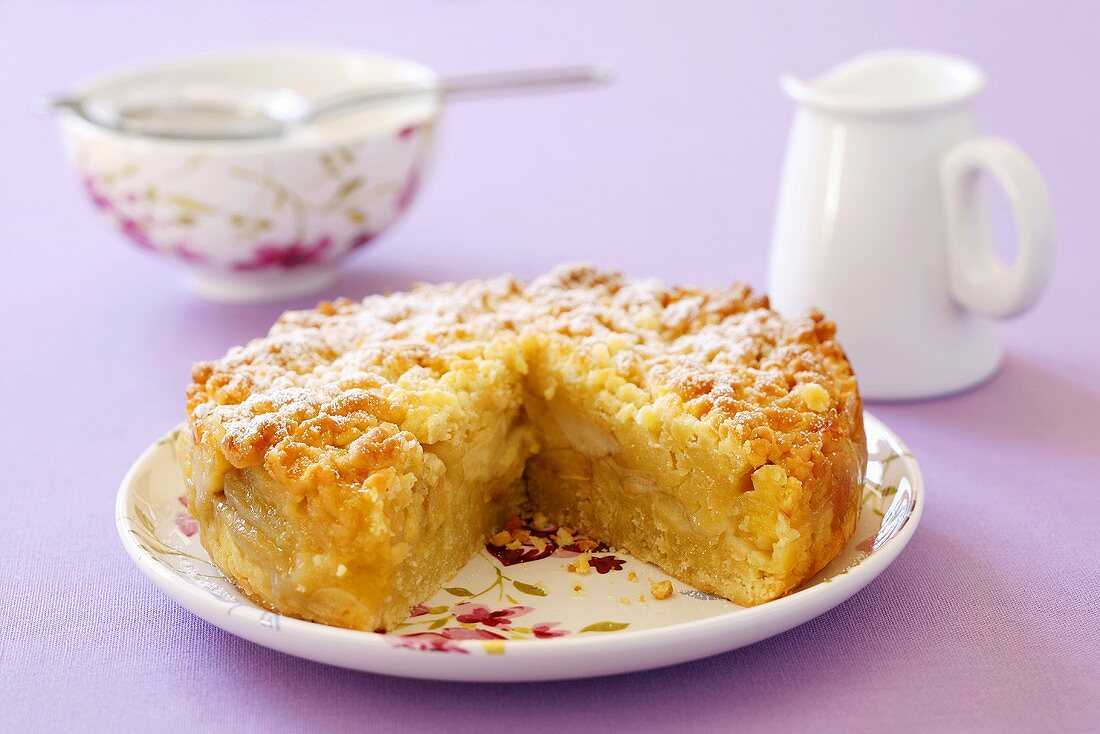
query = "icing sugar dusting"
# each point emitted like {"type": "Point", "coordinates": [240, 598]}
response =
{"type": "Point", "coordinates": [725, 344]}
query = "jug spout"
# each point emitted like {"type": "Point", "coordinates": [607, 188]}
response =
{"type": "Point", "coordinates": [889, 82]}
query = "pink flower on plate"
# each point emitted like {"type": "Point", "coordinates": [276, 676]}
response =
{"type": "Point", "coordinates": [186, 524]}
{"type": "Point", "coordinates": [418, 611]}
{"type": "Point", "coordinates": [464, 633]}
{"type": "Point", "coordinates": [292, 255]}
{"type": "Point", "coordinates": [543, 630]}
{"type": "Point", "coordinates": [510, 557]}
{"type": "Point", "coordinates": [444, 640]}
{"type": "Point", "coordinates": [606, 564]}
{"type": "Point", "coordinates": [407, 132]}
{"type": "Point", "coordinates": [477, 614]}
{"type": "Point", "coordinates": [428, 642]}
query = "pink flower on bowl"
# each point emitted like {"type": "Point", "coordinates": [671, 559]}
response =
{"type": "Point", "coordinates": [408, 192]}
{"type": "Point", "coordinates": [362, 239]}
{"type": "Point", "coordinates": [136, 233]}
{"type": "Point", "coordinates": [98, 199]}
{"type": "Point", "coordinates": [292, 255]}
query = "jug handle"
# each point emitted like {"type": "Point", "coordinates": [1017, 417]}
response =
{"type": "Point", "coordinates": [978, 278]}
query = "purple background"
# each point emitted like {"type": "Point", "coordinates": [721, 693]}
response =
{"type": "Point", "coordinates": [987, 622]}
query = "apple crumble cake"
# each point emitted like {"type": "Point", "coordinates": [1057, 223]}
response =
{"type": "Point", "coordinates": [344, 467]}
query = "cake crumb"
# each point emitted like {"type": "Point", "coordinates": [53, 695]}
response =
{"type": "Point", "coordinates": [581, 565]}
{"type": "Point", "coordinates": [341, 570]}
{"type": "Point", "coordinates": [623, 600]}
{"type": "Point", "coordinates": [538, 542]}
{"type": "Point", "coordinates": [641, 598]}
{"type": "Point", "coordinates": [540, 522]}
{"type": "Point", "coordinates": [587, 544]}
{"type": "Point", "coordinates": [501, 538]}
{"type": "Point", "coordinates": [514, 545]}
{"type": "Point", "coordinates": [564, 536]}
{"type": "Point", "coordinates": [661, 589]}
{"type": "Point", "coordinates": [632, 577]}
{"type": "Point", "coordinates": [521, 535]}
{"type": "Point", "coordinates": [577, 588]}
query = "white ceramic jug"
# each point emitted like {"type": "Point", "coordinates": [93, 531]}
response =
{"type": "Point", "coordinates": [881, 223]}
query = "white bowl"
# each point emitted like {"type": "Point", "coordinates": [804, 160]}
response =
{"type": "Point", "coordinates": [262, 219]}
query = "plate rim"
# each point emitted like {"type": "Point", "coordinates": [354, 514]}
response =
{"type": "Point", "coordinates": [825, 595]}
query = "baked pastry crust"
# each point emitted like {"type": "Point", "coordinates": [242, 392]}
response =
{"type": "Point", "coordinates": [345, 466]}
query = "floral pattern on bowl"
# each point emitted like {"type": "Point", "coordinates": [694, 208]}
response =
{"type": "Point", "coordinates": [269, 215]}
{"type": "Point", "coordinates": [284, 225]}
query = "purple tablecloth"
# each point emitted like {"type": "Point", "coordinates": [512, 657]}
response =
{"type": "Point", "coordinates": [987, 622]}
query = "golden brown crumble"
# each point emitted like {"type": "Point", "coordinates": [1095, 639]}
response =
{"type": "Point", "coordinates": [339, 391]}
{"type": "Point", "coordinates": [501, 538]}
{"type": "Point", "coordinates": [661, 589]}
{"type": "Point", "coordinates": [581, 565]}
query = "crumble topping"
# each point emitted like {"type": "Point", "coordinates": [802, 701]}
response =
{"type": "Point", "coordinates": [351, 390]}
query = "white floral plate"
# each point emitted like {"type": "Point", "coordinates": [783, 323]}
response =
{"type": "Point", "coordinates": [521, 614]}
